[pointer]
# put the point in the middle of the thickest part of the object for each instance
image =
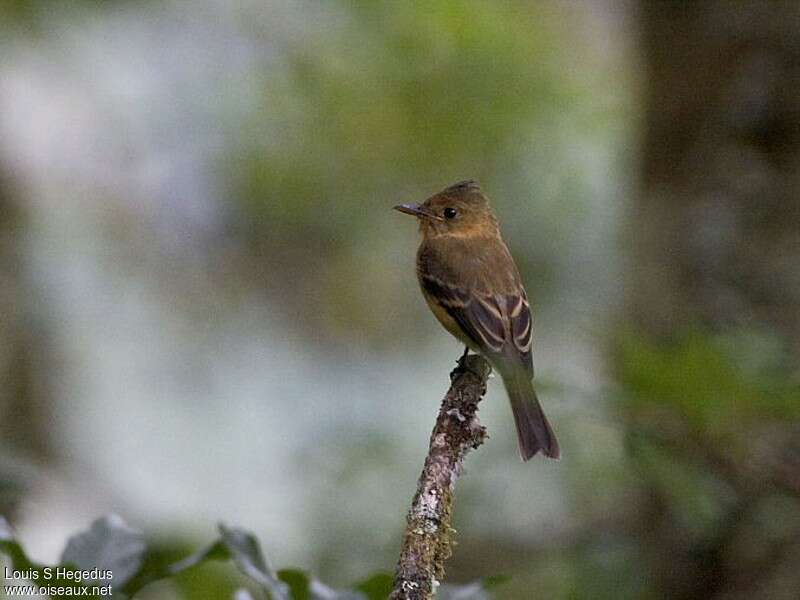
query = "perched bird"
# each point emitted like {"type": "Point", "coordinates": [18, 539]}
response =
{"type": "Point", "coordinates": [474, 289]}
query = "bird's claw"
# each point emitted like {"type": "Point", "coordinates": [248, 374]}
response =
{"type": "Point", "coordinates": [461, 365]}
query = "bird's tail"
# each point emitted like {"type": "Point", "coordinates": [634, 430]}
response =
{"type": "Point", "coordinates": [533, 431]}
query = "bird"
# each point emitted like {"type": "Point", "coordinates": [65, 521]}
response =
{"type": "Point", "coordinates": [473, 287]}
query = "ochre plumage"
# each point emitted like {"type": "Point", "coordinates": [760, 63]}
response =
{"type": "Point", "coordinates": [474, 289]}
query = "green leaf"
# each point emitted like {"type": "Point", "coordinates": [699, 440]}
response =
{"type": "Point", "coordinates": [377, 586]}
{"type": "Point", "coordinates": [108, 544]}
{"type": "Point", "coordinates": [298, 581]}
{"type": "Point", "coordinates": [234, 544]}
{"type": "Point", "coordinates": [11, 548]}
{"type": "Point", "coordinates": [246, 554]}
{"type": "Point", "coordinates": [216, 551]}
{"type": "Point", "coordinates": [21, 562]}
{"type": "Point", "coordinates": [306, 587]}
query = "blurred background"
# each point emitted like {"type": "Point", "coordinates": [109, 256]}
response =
{"type": "Point", "coordinates": [208, 309]}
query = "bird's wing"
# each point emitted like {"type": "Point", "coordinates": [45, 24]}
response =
{"type": "Point", "coordinates": [521, 326]}
{"type": "Point", "coordinates": [500, 324]}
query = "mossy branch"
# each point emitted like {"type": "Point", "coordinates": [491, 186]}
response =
{"type": "Point", "coordinates": [427, 540]}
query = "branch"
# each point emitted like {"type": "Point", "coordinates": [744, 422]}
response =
{"type": "Point", "coordinates": [426, 544]}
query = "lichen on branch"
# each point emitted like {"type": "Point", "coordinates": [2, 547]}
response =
{"type": "Point", "coordinates": [427, 540]}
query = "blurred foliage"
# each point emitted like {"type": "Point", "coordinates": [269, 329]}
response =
{"type": "Point", "coordinates": [390, 102]}
{"type": "Point", "coordinates": [720, 385]}
{"type": "Point", "coordinates": [119, 556]}
{"type": "Point", "coordinates": [389, 95]}
{"type": "Point", "coordinates": [713, 445]}
{"type": "Point", "coordinates": [703, 500]}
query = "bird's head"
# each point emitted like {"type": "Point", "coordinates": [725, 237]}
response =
{"type": "Point", "coordinates": [459, 210]}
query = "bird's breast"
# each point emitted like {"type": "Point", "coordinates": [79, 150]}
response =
{"type": "Point", "coordinates": [448, 322]}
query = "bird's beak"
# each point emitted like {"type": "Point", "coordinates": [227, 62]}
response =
{"type": "Point", "coordinates": [415, 210]}
{"type": "Point", "coordinates": [411, 209]}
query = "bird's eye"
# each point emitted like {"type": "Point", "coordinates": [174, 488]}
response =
{"type": "Point", "coordinates": [450, 212]}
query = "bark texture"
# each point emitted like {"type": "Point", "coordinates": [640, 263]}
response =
{"type": "Point", "coordinates": [427, 540]}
